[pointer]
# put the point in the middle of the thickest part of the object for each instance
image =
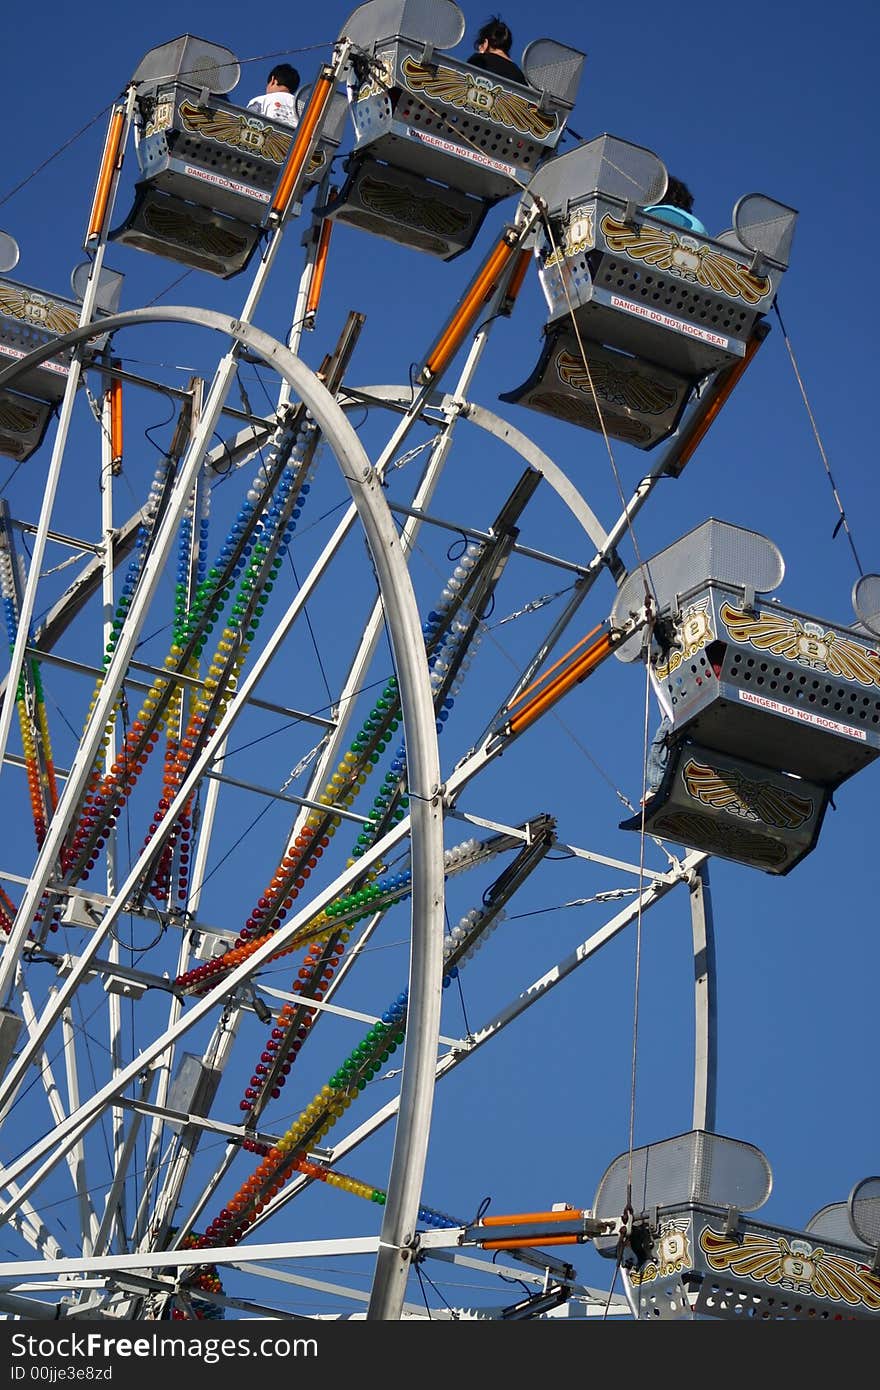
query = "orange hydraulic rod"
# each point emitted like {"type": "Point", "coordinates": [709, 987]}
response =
{"type": "Point", "coordinates": [555, 667]}
{"type": "Point", "coordinates": [320, 266]}
{"type": "Point", "coordinates": [105, 177]}
{"type": "Point", "coordinates": [514, 1243]}
{"type": "Point", "coordinates": [321, 93]}
{"type": "Point", "coordinates": [524, 1218]}
{"type": "Point", "coordinates": [115, 394]}
{"type": "Point", "coordinates": [481, 288]}
{"type": "Point", "coordinates": [514, 285]}
{"type": "Point", "coordinates": [584, 666]}
{"type": "Point", "coordinates": [732, 380]}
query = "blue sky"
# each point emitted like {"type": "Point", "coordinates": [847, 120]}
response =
{"type": "Point", "coordinates": [780, 102]}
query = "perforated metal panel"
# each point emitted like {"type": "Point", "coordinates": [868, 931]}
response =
{"type": "Point", "coordinates": [29, 319]}
{"type": "Point", "coordinates": [607, 165]}
{"type": "Point", "coordinates": [702, 1262]}
{"type": "Point", "coordinates": [766, 684]}
{"type": "Point", "coordinates": [192, 1089]}
{"type": "Point", "coordinates": [8, 253]}
{"type": "Point", "coordinates": [397, 205]}
{"type": "Point", "coordinates": [335, 115]}
{"type": "Point", "coordinates": [183, 232]}
{"type": "Point", "coordinates": [662, 1300]}
{"type": "Point", "coordinates": [715, 550]}
{"type": "Point", "coordinates": [765, 226]}
{"type": "Point", "coordinates": [436, 22]}
{"type": "Point", "coordinates": [213, 153]}
{"type": "Point", "coordinates": [866, 602]}
{"type": "Point", "coordinates": [23, 423]}
{"type": "Point", "coordinates": [109, 290]}
{"type": "Point", "coordinates": [640, 402]}
{"type": "Point", "coordinates": [553, 67]}
{"type": "Point", "coordinates": [733, 808]}
{"type": "Point", "coordinates": [730, 238]}
{"type": "Point", "coordinates": [195, 61]}
{"type": "Point", "coordinates": [691, 1167]}
{"type": "Point", "coordinates": [833, 1223]}
{"type": "Point", "coordinates": [864, 1211]}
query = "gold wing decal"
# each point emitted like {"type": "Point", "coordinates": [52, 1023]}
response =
{"type": "Point", "coordinates": [583, 413]}
{"type": "Point", "coordinates": [510, 109]}
{"type": "Point", "coordinates": [722, 273]}
{"type": "Point", "coordinates": [236, 129]}
{"type": "Point", "coordinates": [445, 84]}
{"type": "Point", "coordinates": [772, 1260]}
{"type": "Point", "coordinates": [758, 1257]}
{"type": "Point", "coordinates": [59, 319]}
{"type": "Point", "coordinates": [647, 244]}
{"type": "Point", "coordinates": [769, 632]}
{"type": "Point", "coordinates": [199, 236]}
{"type": "Point", "coordinates": [276, 147]}
{"type": "Point", "coordinates": [618, 388]}
{"type": "Point", "coordinates": [472, 94]}
{"type": "Point", "coordinates": [839, 1278]}
{"type": "Point", "coordinates": [13, 301]}
{"type": "Point", "coordinates": [389, 200]}
{"type": "Point", "coordinates": [34, 309]}
{"type": "Point", "coordinates": [852, 661]}
{"type": "Point", "coordinates": [698, 831]}
{"type": "Point", "coordinates": [223, 126]}
{"type": "Point", "coordinates": [16, 417]}
{"type": "Point", "coordinates": [731, 791]}
{"type": "Point", "coordinates": [787, 636]}
{"type": "Point", "coordinates": [666, 251]}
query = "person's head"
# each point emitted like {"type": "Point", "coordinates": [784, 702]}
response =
{"type": "Point", "coordinates": [678, 195]}
{"type": "Point", "coordinates": [283, 78]}
{"type": "Point", "coordinates": [495, 35]}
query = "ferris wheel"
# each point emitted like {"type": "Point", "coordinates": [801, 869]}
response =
{"type": "Point", "coordinates": [262, 738]}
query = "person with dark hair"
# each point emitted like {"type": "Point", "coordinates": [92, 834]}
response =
{"type": "Point", "coordinates": [676, 207]}
{"type": "Point", "coordinates": [492, 51]}
{"type": "Point", "coordinates": [278, 102]}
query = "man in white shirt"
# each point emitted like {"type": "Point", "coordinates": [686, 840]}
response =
{"type": "Point", "coordinates": [278, 102]}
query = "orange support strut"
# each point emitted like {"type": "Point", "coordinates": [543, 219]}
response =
{"type": "Point", "coordinates": [577, 671]}
{"type": "Point", "coordinates": [321, 94]}
{"type": "Point", "coordinates": [524, 1218]}
{"type": "Point", "coordinates": [317, 281]}
{"type": "Point", "coordinates": [482, 287]}
{"type": "Point", "coordinates": [732, 380]}
{"type": "Point", "coordinates": [518, 274]}
{"type": "Point", "coordinates": [548, 673]}
{"type": "Point", "coordinates": [115, 394]}
{"type": "Point", "coordinates": [514, 1243]}
{"type": "Point", "coordinates": [105, 177]}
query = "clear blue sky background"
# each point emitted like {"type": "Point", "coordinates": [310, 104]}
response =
{"type": "Point", "coordinates": [779, 100]}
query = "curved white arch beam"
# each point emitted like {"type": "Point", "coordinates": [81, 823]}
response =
{"type": "Point", "coordinates": [423, 767]}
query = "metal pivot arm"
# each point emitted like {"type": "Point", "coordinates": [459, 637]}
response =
{"type": "Point", "coordinates": [576, 671]}
{"type": "Point", "coordinates": [494, 270]}
{"type": "Point", "coordinates": [307, 135]}
{"type": "Point", "coordinates": [96, 241]}
{"type": "Point", "coordinates": [563, 1226]}
{"type": "Point", "coordinates": [684, 446]}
